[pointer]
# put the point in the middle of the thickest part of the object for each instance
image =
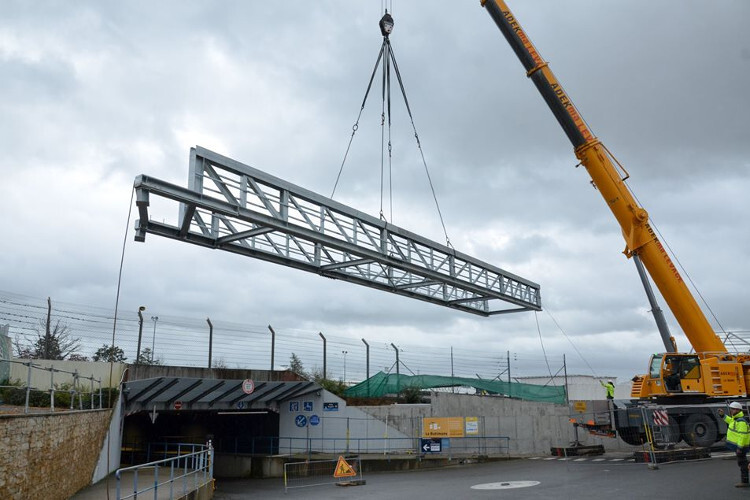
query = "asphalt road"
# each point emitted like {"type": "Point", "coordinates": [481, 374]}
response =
{"type": "Point", "coordinates": [611, 476]}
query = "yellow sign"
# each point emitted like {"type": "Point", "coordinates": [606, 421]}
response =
{"type": "Point", "coordinates": [580, 406]}
{"type": "Point", "coordinates": [472, 426]}
{"type": "Point", "coordinates": [447, 427]}
{"type": "Point", "coordinates": [343, 469]}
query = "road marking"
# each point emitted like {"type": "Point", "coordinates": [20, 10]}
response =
{"type": "Point", "coordinates": [551, 458]}
{"type": "Point", "coordinates": [534, 458]}
{"type": "Point", "coordinates": [505, 485]}
{"type": "Point", "coordinates": [617, 459]}
{"type": "Point", "coordinates": [599, 459]}
{"type": "Point", "coordinates": [580, 459]}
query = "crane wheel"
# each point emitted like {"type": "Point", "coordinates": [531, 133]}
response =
{"type": "Point", "coordinates": [699, 430]}
{"type": "Point", "coordinates": [632, 436]}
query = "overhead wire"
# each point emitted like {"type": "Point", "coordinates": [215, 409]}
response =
{"type": "Point", "coordinates": [570, 341]}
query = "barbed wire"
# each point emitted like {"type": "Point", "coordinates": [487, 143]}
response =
{"type": "Point", "coordinates": [183, 341]}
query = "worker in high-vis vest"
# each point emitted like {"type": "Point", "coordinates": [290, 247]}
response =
{"type": "Point", "coordinates": [610, 388]}
{"type": "Point", "coordinates": [738, 438]}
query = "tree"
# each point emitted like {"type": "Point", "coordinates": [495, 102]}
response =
{"type": "Point", "coordinates": [146, 357]}
{"type": "Point", "coordinates": [295, 366]}
{"type": "Point", "coordinates": [110, 354]}
{"type": "Point", "coordinates": [50, 343]}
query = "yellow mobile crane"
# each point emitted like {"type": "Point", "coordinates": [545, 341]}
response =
{"type": "Point", "coordinates": [687, 385]}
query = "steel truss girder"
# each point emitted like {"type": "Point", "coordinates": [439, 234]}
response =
{"type": "Point", "coordinates": [234, 207]}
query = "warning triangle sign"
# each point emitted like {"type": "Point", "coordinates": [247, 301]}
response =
{"type": "Point", "coordinates": [343, 469]}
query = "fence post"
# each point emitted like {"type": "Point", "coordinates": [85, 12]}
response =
{"type": "Point", "coordinates": [325, 374]}
{"type": "Point", "coordinates": [52, 388]}
{"type": "Point", "coordinates": [273, 344]}
{"type": "Point", "coordinates": [367, 366]}
{"type": "Point", "coordinates": [28, 388]}
{"type": "Point", "coordinates": [210, 340]}
{"type": "Point", "coordinates": [347, 434]}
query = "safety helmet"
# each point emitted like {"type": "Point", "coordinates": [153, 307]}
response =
{"type": "Point", "coordinates": [735, 405]}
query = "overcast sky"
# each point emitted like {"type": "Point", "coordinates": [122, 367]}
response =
{"type": "Point", "coordinates": [94, 93]}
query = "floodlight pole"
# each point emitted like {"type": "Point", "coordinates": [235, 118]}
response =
{"type": "Point", "coordinates": [140, 333]}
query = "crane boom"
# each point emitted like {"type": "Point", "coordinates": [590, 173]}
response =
{"type": "Point", "coordinates": [640, 237]}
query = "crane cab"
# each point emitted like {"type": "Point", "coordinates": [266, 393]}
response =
{"type": "Point", "coordinates": [682, 375]}
{"type": "Point", "coordinates": [670, 374]}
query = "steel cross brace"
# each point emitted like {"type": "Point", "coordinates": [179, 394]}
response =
{"type": "Point", "coordinates": [234, 207]}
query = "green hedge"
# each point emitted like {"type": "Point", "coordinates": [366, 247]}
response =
{"type": "Point", "coordinates": [16, 396]}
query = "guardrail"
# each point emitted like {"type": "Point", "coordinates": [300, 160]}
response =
{"type": "Point", "coordinates": [188, 471]}
{"type": "Point", "coordinates": [73, 391]}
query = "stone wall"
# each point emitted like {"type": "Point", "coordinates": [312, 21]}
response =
{"type": "Point", "coordinates": [49, 456]}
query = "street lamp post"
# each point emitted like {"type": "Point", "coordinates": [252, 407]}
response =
{"type": "Point", "coordinates": [344, 353]}
{"type": "Point", "coordinates": [153, 339]}
{"type": "Point", "coordinates": [140, 333]}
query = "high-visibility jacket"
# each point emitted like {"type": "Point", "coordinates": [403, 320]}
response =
{"type": "Point", "coordinates": [738, 432]}
{"type": "Point", "coordinates": [610, 389]}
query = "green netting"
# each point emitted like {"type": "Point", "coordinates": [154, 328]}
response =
{"type": "Point", "coordinates": [381, 384]}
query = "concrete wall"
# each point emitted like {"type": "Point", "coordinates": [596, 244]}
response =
{"type": "Point", "coordinates": [329, 434]}
{"type": "Point", "coordinates": [532, 427]}
{"type": "Point", "coordinates": [49, 456]}
{"type": "Point", "coordinates": [40, 378]}
{"type": "Point", "coordinates": [6, 352]}
{"type": "Point", "coordinates": [110, 453]}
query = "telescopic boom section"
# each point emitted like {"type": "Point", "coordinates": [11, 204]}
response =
{"type": "Point", "coordinates": [633, 219]}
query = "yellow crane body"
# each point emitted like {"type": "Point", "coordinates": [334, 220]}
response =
{"type": "Point", "coordinates": [713, 372]}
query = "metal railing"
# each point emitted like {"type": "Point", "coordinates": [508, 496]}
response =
{"type": "Point", "coordinates": [188, 470]}
{"type": "Point", "coordinates": [271, 445]}
{"type": "Point", "coordinates": [75, 390]}
{"type": "Point", "coordinates": [320, 472]}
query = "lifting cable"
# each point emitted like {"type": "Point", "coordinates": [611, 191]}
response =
{"type": "Point", "coordinates": [569, 340]}
{"type": "Point", "coordinates": [389, 60]}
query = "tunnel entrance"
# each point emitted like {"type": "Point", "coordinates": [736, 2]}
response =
{"type": "Point", "coordinates": [166, 415]}
{"type": "Point", "coordinates": [253, 432]}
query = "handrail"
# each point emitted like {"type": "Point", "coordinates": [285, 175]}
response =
{"type": "Point", "coordinates": [196, 463]}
